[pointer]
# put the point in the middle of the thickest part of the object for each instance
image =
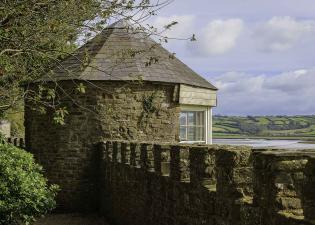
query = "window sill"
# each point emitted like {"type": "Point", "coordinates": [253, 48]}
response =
{"type": "Point", "coordinates": [192, 142]}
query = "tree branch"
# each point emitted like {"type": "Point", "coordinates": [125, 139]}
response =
{"type": "Point", "coordinates": [10, 50]}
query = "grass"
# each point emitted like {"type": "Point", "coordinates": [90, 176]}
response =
{"type": "Point", "coordinates": [305, 139]}
{"type": "Point", "coordinates": [263, 121]}
{"type": "Point", "coordinates": [270, 127]}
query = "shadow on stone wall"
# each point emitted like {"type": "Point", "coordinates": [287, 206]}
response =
{"type": "Point", "coordinates": [150, 184]}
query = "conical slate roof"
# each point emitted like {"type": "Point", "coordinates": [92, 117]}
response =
{"type": "Point", "coordinates": [121, 52]}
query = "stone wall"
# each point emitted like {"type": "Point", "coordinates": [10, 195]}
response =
{"type": "Point", "coordinates": [143, 183]}
{"type": "Point", "coordinates": [18, 142]}
{"type": "Point", "coordinates": [143, 112]}
{"type": "Point", "coordinates": [108, 110]}
{"type": "Point", "coordinates": [284, 186]}
{"type": "Point", "coordinates": [5, 128]}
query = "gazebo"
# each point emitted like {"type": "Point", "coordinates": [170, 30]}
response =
{"type": "Point", "coordinates": [134, 90]}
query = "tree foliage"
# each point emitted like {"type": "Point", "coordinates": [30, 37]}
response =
{"type": "Point", "coordinates": [24, 193]}
{"type": "Point", "coordinates": [37, 34]}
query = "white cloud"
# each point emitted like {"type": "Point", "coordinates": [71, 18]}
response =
{"type": "Point", "coordinates": [280, 33]}
{"type": "Point", "coordinates": [181, 30]}
{"type": "Point", "coordinates": [292, 82]}
{"type": "Point", "coordinates": [286, 93]}
{"type": "Point", "coordinates": [218, 37]}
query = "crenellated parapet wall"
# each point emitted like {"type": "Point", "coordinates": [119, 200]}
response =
{"type": "Point", "coordinates": [18, 142]}
{"type": "Point", "coordinates": [284, 187]}
{"type": "Point", "coordinates": [309, 189]}
{"type": "Point", "coordinates": [148, 183]}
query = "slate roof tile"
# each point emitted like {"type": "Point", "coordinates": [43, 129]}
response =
{"type": "Point", "coordinates": [120, 53]}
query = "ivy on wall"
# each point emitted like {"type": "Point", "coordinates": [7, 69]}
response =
{"type": "Point", "coordinates": [150, 106]}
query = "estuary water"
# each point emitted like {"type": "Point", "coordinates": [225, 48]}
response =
{"type": "Point", "coordinates": [263, 143]}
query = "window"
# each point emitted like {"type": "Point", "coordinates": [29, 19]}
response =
{"type": "Point", "coordinates": [192, 126]}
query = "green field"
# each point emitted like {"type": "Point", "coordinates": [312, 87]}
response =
{"type": "Point", "coordinates": [278, 127]}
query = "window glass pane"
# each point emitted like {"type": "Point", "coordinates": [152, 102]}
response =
{"type": "Point", "coordinates": [191, 134]}
{"type": "Point", "coordinates": [182, 134]}
{"type": "Point", "coordinates": [200, 118]}
{"type": "Point", "coordinates": [191, 118]}
{"type": "Point", "coordinates": [200, 134]}
{"type": "Point", "coordinates": [192, 126]}
{"type": "Point", "coordinates": [182, 118]}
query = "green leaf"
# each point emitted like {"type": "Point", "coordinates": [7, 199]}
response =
{"type": "Point", "coordinates": [81, 88]}
{"type": "Point", "coordinates": [24, 192]}
{"type": "Point", "coordinates": [59, 115]}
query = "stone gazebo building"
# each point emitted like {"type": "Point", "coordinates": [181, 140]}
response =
{"type": "Point", "coordinates": [134, 90]}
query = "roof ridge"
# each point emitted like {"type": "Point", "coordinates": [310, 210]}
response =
{"type": "Point", "coordinates": [122, 23]}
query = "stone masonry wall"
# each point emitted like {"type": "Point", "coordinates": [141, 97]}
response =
{"type": "Point", "coordinates": [143, 112]}
{"type": "Point", "coordinates": [153, 184]}
{"type": "Point", "coordinates": [284, 186]}
{"type": "Point", "coordinates": [108, 110]}
{"type": "Point", "coordinates": [5, 128]}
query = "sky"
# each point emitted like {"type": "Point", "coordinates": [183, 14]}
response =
{"type": "Point", "coordinates": [259, 53]}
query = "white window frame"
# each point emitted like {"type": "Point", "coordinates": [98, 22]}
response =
{"type": "Point", "coordinates": [208, 121]}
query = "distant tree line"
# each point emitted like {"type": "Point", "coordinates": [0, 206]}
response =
{"type": "Point", "coordinates": [253, 125]}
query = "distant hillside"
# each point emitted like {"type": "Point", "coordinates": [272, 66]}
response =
{"type": "Point", "coordinates": [264, 126]}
